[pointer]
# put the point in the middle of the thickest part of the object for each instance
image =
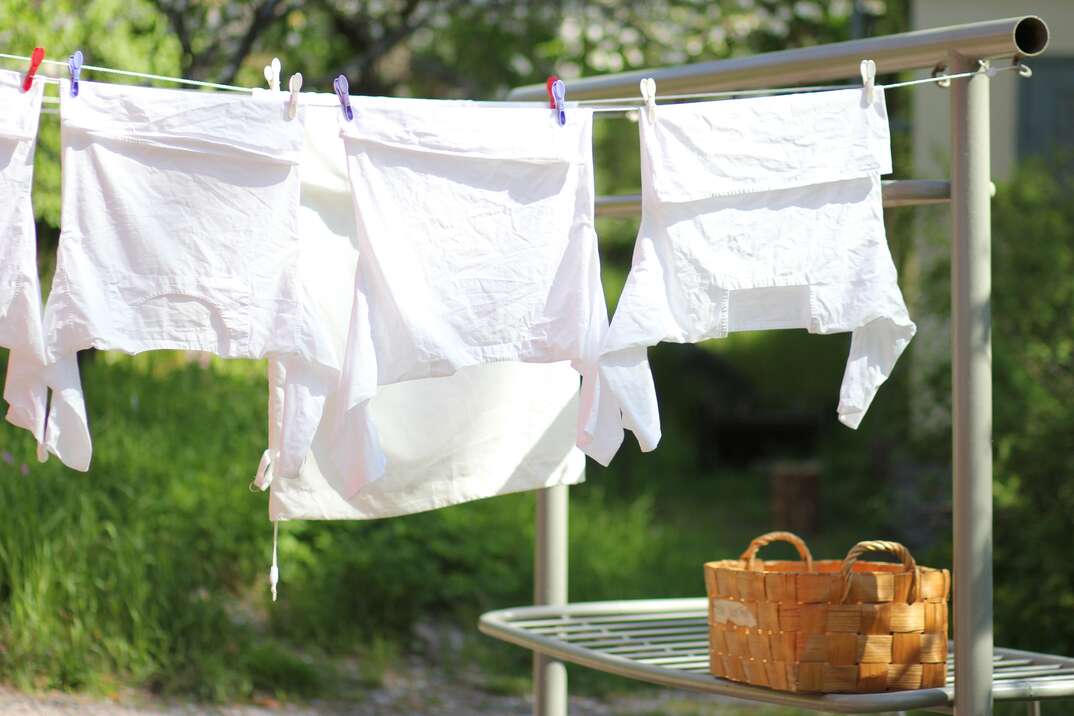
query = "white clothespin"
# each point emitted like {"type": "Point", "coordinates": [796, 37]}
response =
{"type": "Point", "coordinates": [868, 79]}
{"type": "Point", "coordinates": [940, 71]}
{"type": "Point", "coordinates": [272, 74]}
{"type": "Point", "coordinates": [648, 93]}
{"type": "Point", "coordinates": [295, 85]}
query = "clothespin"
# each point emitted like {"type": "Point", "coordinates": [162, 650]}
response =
{"type": "Point", "coordinates": [552, 79]}
{"type": "Point", "coordinates": [74, 65]}
{"type": "Point", "coordinates": [343, 91]}
{"type": "Point", "coordinates": [868, 79]}
{"type": "Point", "coordinates": [35, 62]}
{"type": "Point", "coordinates": [295, 85]}
{"type": "Point", "coordinates": [941, 72]}
{"type": "Point", "coordinates": [272, 74]}
{"type": "Point", "coordinates": [648, 93]}
{"type": "Point", "coordinates": [559, 95]}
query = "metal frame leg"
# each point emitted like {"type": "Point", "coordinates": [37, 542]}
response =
{"type": "Point", "coordinates": [550, 587]}
{"type": "Point", "coordinates": [971, 368]}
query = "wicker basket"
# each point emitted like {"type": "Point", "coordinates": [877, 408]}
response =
{"type": "Point", "coordinates": [828, 626]}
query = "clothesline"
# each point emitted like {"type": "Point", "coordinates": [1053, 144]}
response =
{"type": "Point", "coordinates": [127, 73]}
{"type": "Point", "coordinates": [941, 78]}
{"type": "Point", "coordinates": [1022, 69]}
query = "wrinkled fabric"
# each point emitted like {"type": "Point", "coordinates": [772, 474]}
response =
{"type": "Point", "coordinates": [486, 430]}
{"type": "Point", "coordinates": [180, 232]}
{"type": "Point", "coordinates": [760, 214]}
{"type": "Point", "coordinates": [20, 290]}
{"type": "Point", "coordinates": [477, 246]}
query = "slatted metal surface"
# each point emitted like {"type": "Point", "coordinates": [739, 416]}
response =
{"type": "Point", "coordinates": [665, 642]}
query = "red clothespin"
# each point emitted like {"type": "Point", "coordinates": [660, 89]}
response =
{"type": "Point", "coordinates": [552, 79]}
{"type": "Point", "coordinates": [35, 62]}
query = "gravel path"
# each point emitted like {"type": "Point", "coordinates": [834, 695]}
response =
{"type": "Point", "coordinates": [434, 699]}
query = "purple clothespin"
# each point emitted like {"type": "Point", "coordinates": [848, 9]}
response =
{"type": "Point", "coordinates": [559, 94]}
{"type": "Point", "coordinates": [74, 64]}
{"type": "Point", "coordinates": [343, 91]}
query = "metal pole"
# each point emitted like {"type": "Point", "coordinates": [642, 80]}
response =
{"type": "Point", "coordinates": [896, 192]}
{"type": "Point", "coordinates": [921, 49]}
{"type": "Point", "coordinates": [971, 373]}
{"type": "Point", "coordinates": [550, 587]}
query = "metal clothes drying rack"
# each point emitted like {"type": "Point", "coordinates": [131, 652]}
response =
{"type": "Point", "coordinates": [665, 641]}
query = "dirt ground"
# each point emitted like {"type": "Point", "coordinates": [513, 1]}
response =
{"type": "Point", "coordinates": [430, 697]}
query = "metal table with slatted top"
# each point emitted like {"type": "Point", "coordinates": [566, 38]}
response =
{"type": "Point", "coordinates": [665, 642]}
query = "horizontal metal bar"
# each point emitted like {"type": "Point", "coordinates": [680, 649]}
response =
{"type": "Point", "coordinates": [631, 635]}
{"type": "Point", "coordinates": [612, 624]}
{"type": "Point", "coordinates": [614, 618]}
{"type": "Point", "coordinates": [922, 49]}
{"type": "Point", "coordinates": [896, 192]}
{"type": "Point", "coordinates": [666, 642]}
{"type": "Point", "coordinates": [645, 649]}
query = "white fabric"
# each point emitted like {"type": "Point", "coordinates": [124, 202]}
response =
{"type": "Point", "coordinates": [20, 290]}
{"type": "Point", "coordinates": [760, 214]}
{"type": "Point", "coordinates": [477, 246]}
{"type": "Point", "coordinates": [180, 232]}
{"type": "Point", "coordinates": [486, 430]}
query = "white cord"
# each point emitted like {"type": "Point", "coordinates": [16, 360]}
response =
{"type": "Point", "coordinates": [125, 73]}
{"type": "Point", "coordinates": [728, 93]}
{"type": "Point", "coordinates": [943, 78]}
{"type": "Point", "coordinates": [1022, 69]}
{"type": "Point", "coordinates": [274, 571]}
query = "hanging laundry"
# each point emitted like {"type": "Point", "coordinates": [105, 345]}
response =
{"type": "Point", "coordinates": [180, 232]}
{"type": "Point", "coordinates": [760, 214]}
{"type": "Point", "coordinates": [20, 290]}
{"type": "Point", "coordinates": [477, 246]}
{"type": "Point", "coordinates": [486, 430]}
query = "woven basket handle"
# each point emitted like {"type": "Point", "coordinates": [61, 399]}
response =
{"type": "Point", "coordinates": [750, 555]}
{"type": "Point", "coordinates": [894, 548]}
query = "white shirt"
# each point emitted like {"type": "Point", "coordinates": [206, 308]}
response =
{"type": "Point", "coordinates": [180, 232]}
{"type": "Point", "coordinates": [475, 229]}
{"type": "Point", "coordinates": [20, 290]}
{"type": "Point", "coordinates": [760, 214]}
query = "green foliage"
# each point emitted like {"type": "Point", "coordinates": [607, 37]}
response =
{"type": "Point", "coordinates": [1033, 348]}
{"type": "Point", "coordinates": [276, 669]}
{"type": "Point", "coordinates": [1033, 368]}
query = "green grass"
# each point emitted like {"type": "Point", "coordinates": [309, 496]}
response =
{"type": "Point", "coordinates": [150, 570]}
{"type": "Point", "coordinates": [134, 572]}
